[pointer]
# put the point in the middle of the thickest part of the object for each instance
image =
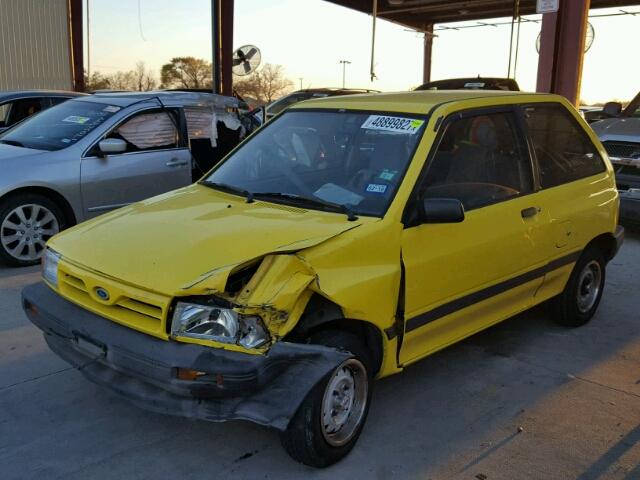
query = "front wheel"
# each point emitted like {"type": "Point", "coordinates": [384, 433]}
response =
{"type": "Point", "coordinates": [27, 221]}
{"type": "Point", "coordinates": [328, 423]}
{"type": "Point", "coordinates": [578, 303]}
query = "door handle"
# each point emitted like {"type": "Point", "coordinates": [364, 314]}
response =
{"type": "Point", "coordinates": [530, 212]}
{"type": "Point", "coordinates": [174, 162]}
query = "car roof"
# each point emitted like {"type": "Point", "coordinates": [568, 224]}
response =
{"type": "Point", "coordinates": [421, 102]}
{"type": "Point", "coordinates": [12, 94]}
{"type": "Point", "coordinates": [172, 98]}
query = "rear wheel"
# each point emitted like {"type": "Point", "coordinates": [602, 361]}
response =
{"type": "Point", "coordinates": [577, 304]}
{"type": "Point", "coordinates": [328, 423]}
{"type": "Point", "coordinates": [27, 221]}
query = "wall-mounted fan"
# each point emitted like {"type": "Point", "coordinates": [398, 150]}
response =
{"type": "Point", "coordinates": [588, 38]}
{"type": "Point", "coordinates": [246, 59]}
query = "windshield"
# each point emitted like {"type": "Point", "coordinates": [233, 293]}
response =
{"type": "Point", "coordinates": [347, 159]}
{"type": "Point", "coordinates": [60, 126]}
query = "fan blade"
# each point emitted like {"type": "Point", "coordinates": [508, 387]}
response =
{"type": "Point", "coordinates": [251, 53]}
{"type": "Point", "coordinates": [247, 67]}
{"type": "Point", "coordinates": [237, 61]}
{"type": "Point", "coordinates": [241, 54]}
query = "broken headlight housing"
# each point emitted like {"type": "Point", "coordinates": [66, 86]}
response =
{"type": "Point", "coordinates": [210, 322]}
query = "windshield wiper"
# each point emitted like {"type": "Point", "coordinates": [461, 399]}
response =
{"type": "Point", "coordinates": [316, 202]}
{"type": "Point", "coordinates": [15, 143]}
{"type": "Point", "coordinates": [225, 187]}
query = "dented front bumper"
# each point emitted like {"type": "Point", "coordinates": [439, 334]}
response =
{"type": "Point", "coordinates": [265, 389]}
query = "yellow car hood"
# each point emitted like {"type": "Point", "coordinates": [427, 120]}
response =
{"type": "Point", "coordinates": [187, 241]}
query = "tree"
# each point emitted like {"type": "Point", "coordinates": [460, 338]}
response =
{"type": "Point", "coordinates": [143, 78]}
{"type": "Point", "coordinates": [95, 81]}
{"type": "Point", "coordinates": [186, 72]}
{"type": "Point", "coordinates": [139, 79]}
{"type": "Point", "coordinates": [122, 80]}
{"type": "Point", "coordinates": [265, 84]}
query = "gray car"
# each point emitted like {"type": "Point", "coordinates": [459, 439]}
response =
{"type": "Point", "coordinates": [16, 105]}
{"type": "Point", "coordinates": [96, 153]}
{"type": "Point", "coordinates": [620, 136]}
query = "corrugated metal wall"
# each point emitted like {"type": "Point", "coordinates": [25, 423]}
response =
{"type": "Point", "coordinates": [34, 44]}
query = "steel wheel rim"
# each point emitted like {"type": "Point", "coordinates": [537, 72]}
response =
{"type": "Point", "coordinates": [344, 402]}
{"type": "Point", "coordinates": [589, 285]}
{"type": "Point", "coordinates": [26, 229]}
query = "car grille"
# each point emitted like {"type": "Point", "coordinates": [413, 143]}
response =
{"type": "Point", "coordinates": [622, 149]}
{"type": "Point", "coordinates": [130, 306]}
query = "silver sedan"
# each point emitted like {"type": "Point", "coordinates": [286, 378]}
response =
{"type": "Point", "coordinates": [96, 153]}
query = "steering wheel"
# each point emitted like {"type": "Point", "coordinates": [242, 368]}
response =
{"type": "Point", "coordinates": [278, 157]}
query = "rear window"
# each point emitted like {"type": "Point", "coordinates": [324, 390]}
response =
{"type": "Point", "coordinates": [564, 151]}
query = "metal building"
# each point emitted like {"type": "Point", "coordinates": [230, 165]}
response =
{"type": "Point", "coordinates": [36, 45]}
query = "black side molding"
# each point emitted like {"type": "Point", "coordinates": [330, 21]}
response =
{"type": "Point", "coordinates": [486, 293]}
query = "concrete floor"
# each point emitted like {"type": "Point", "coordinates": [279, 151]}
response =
{"type": "Point", "coordinates": [574, 393]}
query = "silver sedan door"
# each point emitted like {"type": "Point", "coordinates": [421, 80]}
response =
{"type": "Point", "coordinates": [156, 160]}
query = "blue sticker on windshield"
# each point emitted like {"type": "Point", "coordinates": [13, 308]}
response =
{"type": "Point", "coordinates": [376, 188]}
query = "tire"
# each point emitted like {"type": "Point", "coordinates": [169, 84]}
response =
{"type": "Point", "coordinates": [577, 304]}
{"type": "Point", "coordinates": [27, 221]}
{"type": "Point", "coordinates": [307, 438]}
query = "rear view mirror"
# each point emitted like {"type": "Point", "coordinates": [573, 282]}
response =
{"type": "Point", "coordinates": [442, 210]}
{"type": "Point", "coordinates": [112, 145]}
{"type": "Point", "coordinates": [612, 109]}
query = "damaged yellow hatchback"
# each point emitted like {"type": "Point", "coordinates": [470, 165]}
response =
{"type": "Point", "coordinates": [346, 239]}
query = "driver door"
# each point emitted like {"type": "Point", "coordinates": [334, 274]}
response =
{"type": "Point", "coordinates": [156, 160]}
{"type": "Point", "coordinates": [463, 277]}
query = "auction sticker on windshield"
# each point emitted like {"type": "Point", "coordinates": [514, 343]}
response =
{"type": "Point", "coordinates": [392, 124]}
{"type": "Point", "coordinates": [76, 119]}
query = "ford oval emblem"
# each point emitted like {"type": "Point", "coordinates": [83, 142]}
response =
{"type": "Point", "coordinates": [102, 294]}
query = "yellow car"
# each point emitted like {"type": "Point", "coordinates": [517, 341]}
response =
{"type": "Point", "coordinates": [343, 241]}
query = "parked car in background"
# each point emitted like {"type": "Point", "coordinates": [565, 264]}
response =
{"type": "Point", "coordinates": [620, 135]}
{"type": "Point", "coordinates": [346, 239]}
{"type": "Point", "coordinates": [16, 105]}
{"type": "Point", "coordinates": [279, 105]}
{"type": "Point", "coordinates": [473, 83]}
{"type": "Point", "coordinates": [97, 153]}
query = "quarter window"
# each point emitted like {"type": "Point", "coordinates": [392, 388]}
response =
{"type": "Point", "coordinates": [480, 160]}
{"type": "Point", "coordinates": [564, 151]}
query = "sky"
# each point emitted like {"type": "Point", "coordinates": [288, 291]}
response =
{"type": "Point", "coordinates": [309, 38]}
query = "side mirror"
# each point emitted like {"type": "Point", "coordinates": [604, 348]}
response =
{"type": "Point", "coordinates": [442, 210]}
{"type": "Point", "coordinates": [612, 109]}
{"type": "Point", "coordinates": [112, 145]}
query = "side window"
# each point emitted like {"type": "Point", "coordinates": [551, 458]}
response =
{"type": "Point", "coordinates": [22, 109]}
{"type": "Point", "coordinates": [480, 160]}
{"type": "Point", "coordinates": [150, 130]}
{"type": "Point", "coordinates": [53, 101]}
{"type": "Point", "coordinates": [564, 151]}
{"type": "Point", "coordinates": [4, 113]}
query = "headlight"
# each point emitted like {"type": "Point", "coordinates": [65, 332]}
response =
{"type": "Point", "coordinates": [219, 324]}
{"type": "Point", "coordinates": [50, 261]}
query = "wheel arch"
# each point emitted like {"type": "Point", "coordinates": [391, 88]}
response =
{"type": "Point", "coordinates": [606, 243]}
{"type": "Point", "coordinates": [322, 314]}
{"type": "Point", "coordinates": [52, 195]}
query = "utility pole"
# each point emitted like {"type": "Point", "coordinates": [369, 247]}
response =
{"type": "Point", "coordinates": [344, 68]}
{"type": "Point", "coordinates": [300, 78]}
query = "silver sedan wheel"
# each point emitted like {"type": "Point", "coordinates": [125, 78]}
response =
{"type": "Point", "coordinates": [26, 229]}
{"type": "Point", "coordinates": [589, 284]}
{"type": "Point", "coordinates": [344, 402]}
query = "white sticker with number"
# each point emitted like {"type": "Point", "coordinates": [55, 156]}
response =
{"type": "Point", "coordinates": [406, 126]}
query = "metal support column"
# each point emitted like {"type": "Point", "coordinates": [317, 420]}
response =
{"type": "Point", "coordinates": [76, 44]}
{"type": "Point", "coordinates": [428, 52]}
{"type": "Point", "coordinates": [562, 49]}
{"type": "Point", "coordinates": [216, 77]}
{"type": "Point", "coordinates": [226, 50]}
